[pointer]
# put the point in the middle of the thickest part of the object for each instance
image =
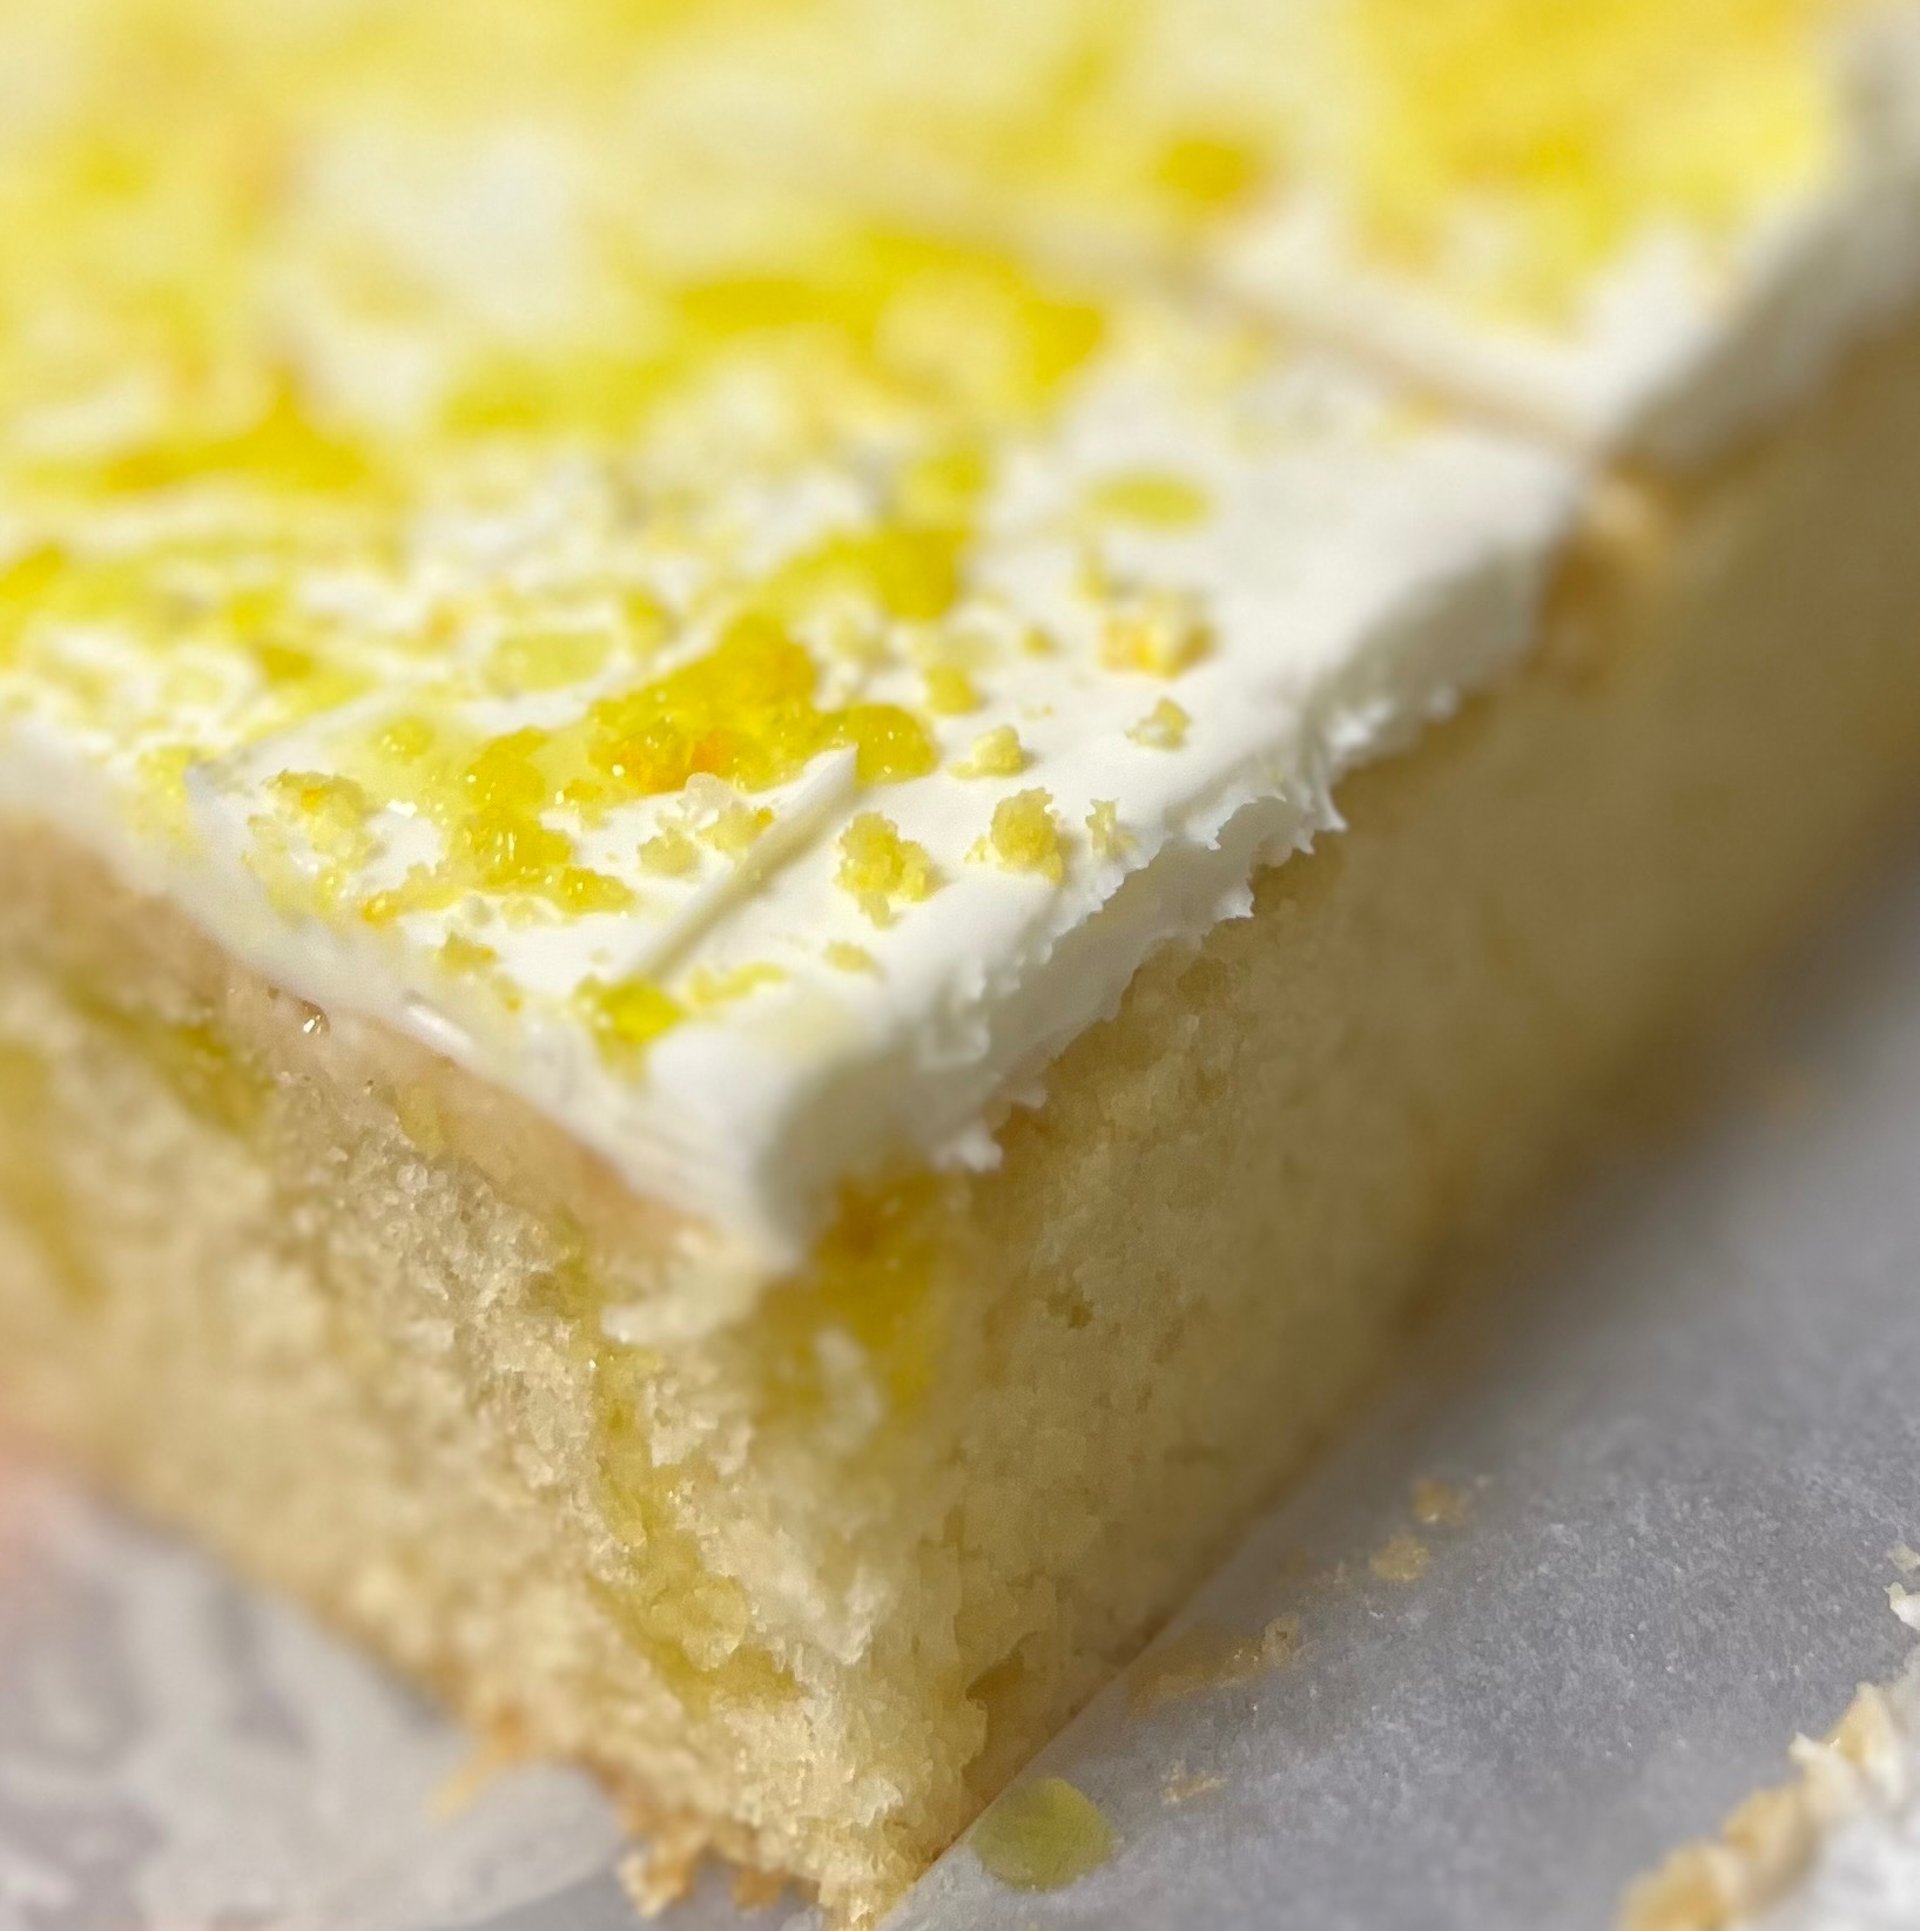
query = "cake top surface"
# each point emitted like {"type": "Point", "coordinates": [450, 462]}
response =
{"type": "Point", "coordinates": [531, 546]}
{"type": "Point", "coordinates": [1637, 224]}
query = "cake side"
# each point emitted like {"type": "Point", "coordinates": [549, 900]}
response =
{"type": "Point", "coordinates": [820, 1579]}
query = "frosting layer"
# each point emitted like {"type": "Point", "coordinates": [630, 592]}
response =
{"type": "Point", "coordinates": [1637, 225]}
{"type": "Point", "coordinates": [736, 569]}
{"type": "Point", "coordinates": [750, 675]}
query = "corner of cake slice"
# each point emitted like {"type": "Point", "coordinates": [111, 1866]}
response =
{"type": "Point", "coordinates": [746, 954]}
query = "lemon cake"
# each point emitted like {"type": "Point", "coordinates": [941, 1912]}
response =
{"type": "Point", "coordinates": [791, 794]}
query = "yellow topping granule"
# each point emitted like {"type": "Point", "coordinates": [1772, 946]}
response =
{"type": "Point", "coordinates": [736, 828]}
{"type": "Point", "coordinates": [904, 570]}
{"type": "Point", "coordinates": [878, 866]}
{"type": "Point", "coordinates": [709, 988]}
{"type": "Point", "coordinates": [947, 484]}
{"type": "Point", "coordinates": [1154, 499]}
{"type": "Point", "coordinates": [546, 660]}
{"type": "Point", "coordinates": [847, 957]}
{"type": "Point", "coordinates": [461, 954]}
{"type": "Point", "coordinates": [1206, 172]}
{"type": "Point", "coordinates": [1106, 836]}
{"type": "Point", "coordinates": [670, 853]}
{"type": "Point", "coordinates": [628, 1015]}
{"type": "Point", "coordinates": [1161, 633]}
{"type": "Point", "coordinates": [1043, 1835]}
{"type": "Point", "coordinates": [995, 754]}
{"type": "Point", "coordinates": [1025, 837]}
{"type": "Point", "coordinates": [745, 712]}
{"type": "Point", "coordinates": [1519, 148]}
{"type": "Point", "coordinates": [1164, 728]}
{"type": "Point", "coordinates": [335, 810]}
{"type": "Point", "coordinates": [950, 691]}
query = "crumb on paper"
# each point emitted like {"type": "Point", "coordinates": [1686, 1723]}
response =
{"type": "Point", "coordinates": [1905, 1603]}
{"type": "Point", "coordinates": [1439, 1505]}
{"type": "Point", "coordinates": [1183, 1786]}
{"type": "Point", "coordinates": [1042, 1836]}
{"type": "Point", "coordinates": [498, 1750]}
{"type": "Point", "coordinates": [1205, 1659]}
{"type": "Point", "coordinates": [1905, 1558]}
{"type": "Point", "coordinates": [1403, 1558]}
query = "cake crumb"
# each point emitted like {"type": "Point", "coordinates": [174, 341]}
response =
{"type": "Point", "coordinates": [1205, 1659]}
{"type": "Point", "coordinates": [1183, 1786]}
{"type": "Point", "coordinates": [1905, 1558]}
{"type": "Point", "coordinates": [1042, 1836]}
{"type": "Point", "coordinates": [1905, 1603]}
{"type": "Point", "coordinates": [1439, 1505]}
{"type": "Point", "coordinates": [1106, 836]}
{"type": "Point", "coordinates": [1689, 1892]}
{"type": "Point", "coordinates": [1024, 837]}
{"type": "Point", "coordinates": [661, 1873]}
{"type": "Point", "coordinates": [1403, 1558]}
{"type": "Point", "coordinates": [1164, 728]}
{"type": "Point", "coordinates": [995, 754]}
{"type": "Point", "coordinates": [498, 1749]}
{"type": "Point", "coordinates": [756, 1890]}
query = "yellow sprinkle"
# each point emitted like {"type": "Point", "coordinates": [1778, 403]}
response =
{"type": "Point", "coordinates": [1042, 1836]}
{"type": "Point", "coordinates": [647, 623]}
{"type": "Point", "coordinates": [1092, 578]}
{"type": "Point", "coordinates": [1162, 634]}
{"type": "Point", "coordinates": [317, 794]}
{"type": "Point", "coordinates": [579, 891]}
{"type": "Point", "coordinates": [1154, 499]}
{"type": "Point", "coordinates": [1520, 148]}
{"type": "Point", "coordinates": [1037, 641]}
{"type": "Point", "coordinates": [406, 739]}
{"type": "Point", "coordinates": [670, 853]}
{"type": "Point", "coordinates": [736, 828]}
{"type": "Point", "coordinates": [712, 988]}
{"type": "Point", "coordinates": [848, 957]}
{"type": "Point", "coordinates": [460, 954]}
{"type": "Point", "coordinates": [1105, 833]}
{"type": "Point", "coordinates": [950, 691]}
{"type": "Point", "coordinates": [878, 866]}
{"type": "Point", "coordinates": [628, 1015]}
{"type": "Point", "coordinates": [1164, 728]}
{"type": "Point", "coordinates": [546, 660]}
{"type": "Point", "coordinates": [995, 754]}
{"type": "Point", "coordinates": [946, 484]}
{"type": "Point", "coordinates": [905, 570]}
{"type": "Point", "coordinates": [1206, 172]}
{"type": "Point", "coordinates": [1024, 837]}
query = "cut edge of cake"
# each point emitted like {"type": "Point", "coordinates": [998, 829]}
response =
{"type": "Point", "coordinates": [815, 1584]}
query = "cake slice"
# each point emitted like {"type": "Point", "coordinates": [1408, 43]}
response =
{"type": "Point", "coordinates": [748, 948]}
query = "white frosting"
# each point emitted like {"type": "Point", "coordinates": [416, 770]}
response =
{"type": "Point", "coordinates": [1356, 577]}
{"type": "Point", "coordinates": [1688, 333]}
{"type": "Point", "coordinates": [507, 363]}
{"type": "Point", "coordinates": [1682, 343]}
